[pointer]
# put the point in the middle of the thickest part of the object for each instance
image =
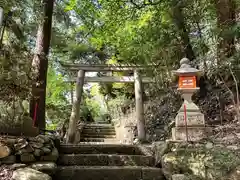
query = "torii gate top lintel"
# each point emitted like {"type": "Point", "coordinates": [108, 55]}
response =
{"type": "Point", "coordinates": [106, 67]}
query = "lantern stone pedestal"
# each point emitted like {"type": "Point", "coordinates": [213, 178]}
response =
{"type": "Point", "coordinates": [192, 127]}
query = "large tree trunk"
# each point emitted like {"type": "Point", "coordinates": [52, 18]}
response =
{"type": "Point", "coordinates": [178, 19]}
{"type": "Point", "coordinates": [40, 66]}
{"type": "Point", "coordinates": [225, 10]}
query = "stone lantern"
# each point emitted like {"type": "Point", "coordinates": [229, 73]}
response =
{"type": "Point", "coordinates": [189, 122]}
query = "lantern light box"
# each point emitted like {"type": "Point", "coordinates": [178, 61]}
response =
{"type": "Point", "coordinates": [187, 82]}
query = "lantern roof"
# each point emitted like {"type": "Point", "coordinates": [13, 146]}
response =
{"type": "Point", "coordinates": [186, 68]}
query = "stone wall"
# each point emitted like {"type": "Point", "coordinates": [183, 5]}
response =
{"type": "Point", "coordinates": [125, 127]}
{"type": "Point", "coordinates": [29, 157]}
{"type": "Point", "coordinates": [125, 134]}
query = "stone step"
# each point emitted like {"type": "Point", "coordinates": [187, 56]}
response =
{"type": "Point", "coordinates": [98, 127]}
{"type": "Point", "coordinates": [108, 173]}
{"type": "Point", "coordinates": [101, 122]}
{"type": "Point", "coordinates": [83, 135]}
{"type": "Point", "coordinates": [99, 143]}
{"type": "Point", "coordinates": [105, 160]}
{"type": "Point", "coordinates": [108, 140]}
{"type": "Point", "coordinates": [87, 129]}
{"type": "Point", "coordinates": [100, 148]}
{"type": "Point", "coordinates": [99, 131]}
{"type": "Point", "coordinates": [98, 124]}
{"type": "Point", "coordinates": [103, 130]}
{"type": "Point", "coordinates": [99, 134]}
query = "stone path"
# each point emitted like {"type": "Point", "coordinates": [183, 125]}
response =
{"type": "Point", "coordinates": [105, 162]}
{"type": "Point", "coordinates": [99, 156]}
{"type": "Point", "coordinates": [98, 134]}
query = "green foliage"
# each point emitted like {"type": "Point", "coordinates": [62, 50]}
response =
{"type": "Point", "coordinates": [58, 108]}
{"type": "Point", "coordinates": [57, 89]}
{"type": "Point", "coordinates": [116, 105]}
{"type": "Point", "coordinates": [95, 103]}
{"type": "Point", "coordinates": [145, 32]}
{"type": "Point", "coordinates": [112, 32]}
{"type": "Point", "coordinates": [94, 108]}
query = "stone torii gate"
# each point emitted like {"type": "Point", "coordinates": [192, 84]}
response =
{"type": "Point", "coordinates": [81, 79]}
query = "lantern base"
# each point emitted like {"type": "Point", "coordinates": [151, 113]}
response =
{"type": "Point", "coordinates": [192, 134]}
{"type": "Point", "coordinates": [190, 107]}
{"type": "Point", "coordinates": [192, 119]}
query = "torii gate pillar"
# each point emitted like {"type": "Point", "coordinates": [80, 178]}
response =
{"type": "Point", "coordinates": [139, 106]}
{"type": "Point", "coordinates": [73, 135]}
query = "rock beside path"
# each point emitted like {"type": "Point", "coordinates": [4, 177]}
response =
{"type": "Point", "coordinates": [45, 167]}
{"type": "Point", "coordinates": [29, 174]}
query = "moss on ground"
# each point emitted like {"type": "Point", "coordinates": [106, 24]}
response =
{"type": "Point", "coordinates": [201, 162]}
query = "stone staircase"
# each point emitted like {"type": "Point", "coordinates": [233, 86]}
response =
{"type": "Point", "coordinates": [98, 133]}
{"type": "Point", "coordinates": [105, 162]}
